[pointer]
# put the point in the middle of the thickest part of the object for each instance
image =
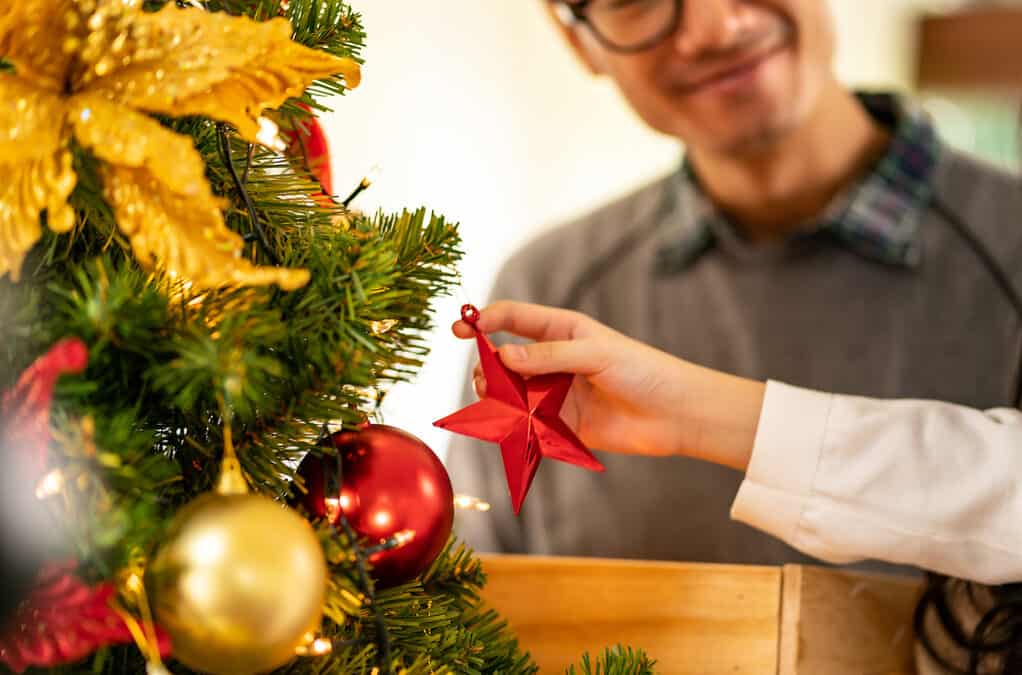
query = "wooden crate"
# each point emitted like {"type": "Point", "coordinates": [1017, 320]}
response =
{"type": "Point", "coordinates": [845, 623]}
{"type": "Point", "coordinates": [707, 619]}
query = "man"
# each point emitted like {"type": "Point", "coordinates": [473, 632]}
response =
{"type": "Point", "coordinates": [813, 236]}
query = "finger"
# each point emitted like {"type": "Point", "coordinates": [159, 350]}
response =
{"type": "Point", "coordinates": [479, 384]}
{"type": "Point", "coordinates": [463, 330]}
{"type": "Point", "coordinates": [536, 322]}
{"type": "Point", "coordinates": [580, 357]}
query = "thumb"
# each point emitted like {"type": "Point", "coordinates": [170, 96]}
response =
{"type": "Point", "coordinates": [579, 357]}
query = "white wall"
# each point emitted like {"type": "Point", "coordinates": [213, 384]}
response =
{"type": "Point", "coordinates": [877, 40]}
{"type": "Point", "coordinates": [474, 108]}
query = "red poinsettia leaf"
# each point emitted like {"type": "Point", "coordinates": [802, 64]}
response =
{"type": "Point", "coordinates": [63, 621]}
{"type": "Point", "coordinates": [25, 408]}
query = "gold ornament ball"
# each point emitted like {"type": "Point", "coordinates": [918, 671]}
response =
{"type": "Point", "coordinates": [238, 584]}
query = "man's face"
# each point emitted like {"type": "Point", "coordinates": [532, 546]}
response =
{"type": "Point", "coordinates": [733, 78]}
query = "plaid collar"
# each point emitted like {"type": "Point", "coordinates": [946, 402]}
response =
{"type": "Point", "coordinates": [877, 218]}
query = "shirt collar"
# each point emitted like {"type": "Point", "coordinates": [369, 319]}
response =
{"type": "Point", "coordinates": [878, 217]}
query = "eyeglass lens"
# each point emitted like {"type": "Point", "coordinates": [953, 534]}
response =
{"type": "Point", "coordinates": [629, 24]}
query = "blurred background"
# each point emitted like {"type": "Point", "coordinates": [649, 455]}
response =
{"type": "Point", "coordinates": [475, 109]}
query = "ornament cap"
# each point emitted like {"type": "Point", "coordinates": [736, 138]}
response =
{"type": "Point", "coordinates": [232, 480]}
{"type": "Point", "coordinates": [470, 314]}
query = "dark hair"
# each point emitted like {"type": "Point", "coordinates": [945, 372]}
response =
{"type": "Point", "coordinates": [988, 642]}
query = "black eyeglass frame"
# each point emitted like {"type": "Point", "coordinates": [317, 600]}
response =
{"type": "Point", "coordinates": [580, 14]}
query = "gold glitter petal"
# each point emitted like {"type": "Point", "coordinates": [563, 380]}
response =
{"type": "Point", "coordinates": [190, 62]}
{"type": "Point", "coordinates": [36, 173]}
{"type": "Point", "coordinates": [33, 34]}
{"type": "Point", "coordinates": [31, 121]}
{"type": "Point", "coordinates": [123, 137]}
{"type": "Point", "coordinates": [184, 236]}
{"type": "Point", "coordinates": [287, 73]}
{"type": "Point", "coordinates": [60, 217]}
{"type": "Point", "coordinates": [26, 189]}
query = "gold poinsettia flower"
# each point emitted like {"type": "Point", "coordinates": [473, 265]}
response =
{"type": "Point", "coordinates": [91, 70]}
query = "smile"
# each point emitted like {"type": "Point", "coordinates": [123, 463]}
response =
{"type": "Point", "coordinates": [736, 74]}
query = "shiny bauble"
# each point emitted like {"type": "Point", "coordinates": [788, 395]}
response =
{"type": "Point", "coordinates": [320, 497]}
{"type": "Point", "coordinates": [392, 484]}
{"type": "Point", "coordinates": [238, 584]}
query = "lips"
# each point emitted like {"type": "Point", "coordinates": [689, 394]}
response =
{"type": "Point", "coordinates": [735, 67]}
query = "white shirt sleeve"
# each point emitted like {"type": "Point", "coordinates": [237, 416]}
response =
{"type": "Point", "coordinates": [924, 483]}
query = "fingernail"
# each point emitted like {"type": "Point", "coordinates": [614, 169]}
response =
{"type": "Point", "coordinates": [515, 352]}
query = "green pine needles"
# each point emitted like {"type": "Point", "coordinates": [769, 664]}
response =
{"type": "Point", "coordinates": [616, 661]}
{"type": "Point", "coordinates": [140, 433]}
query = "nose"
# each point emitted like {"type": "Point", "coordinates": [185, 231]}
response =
{"type": "Point", "coordinates": [709, 26]}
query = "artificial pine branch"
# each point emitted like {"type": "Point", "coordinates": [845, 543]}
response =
{"type": "Point", "coordinates": [615, 661]}
{"type": "Point", "coordinates": [456, 572]}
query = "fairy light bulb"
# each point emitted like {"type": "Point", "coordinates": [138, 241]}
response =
{"type": "Point", "coordinates": [51, 484]}
{"type": "Point", "coordinates": [269, 135]}
{"type": "Point", "coordinates": [470, 503]}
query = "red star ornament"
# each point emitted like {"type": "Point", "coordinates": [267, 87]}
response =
{"type": "Point", "coordinates": [522, 415]}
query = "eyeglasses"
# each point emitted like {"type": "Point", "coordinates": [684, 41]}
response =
{"type": "Point", "coordinates": [626, 25]}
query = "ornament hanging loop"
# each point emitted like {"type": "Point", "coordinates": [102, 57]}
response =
{"type": "Point", "coordinates": [470, 314]}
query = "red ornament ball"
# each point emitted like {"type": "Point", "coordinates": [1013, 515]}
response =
{"type": "Point", "coordinates": [392, 483]}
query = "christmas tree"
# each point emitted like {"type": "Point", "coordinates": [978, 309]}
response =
{"type": "Point", "coordinates": [196, 333]}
